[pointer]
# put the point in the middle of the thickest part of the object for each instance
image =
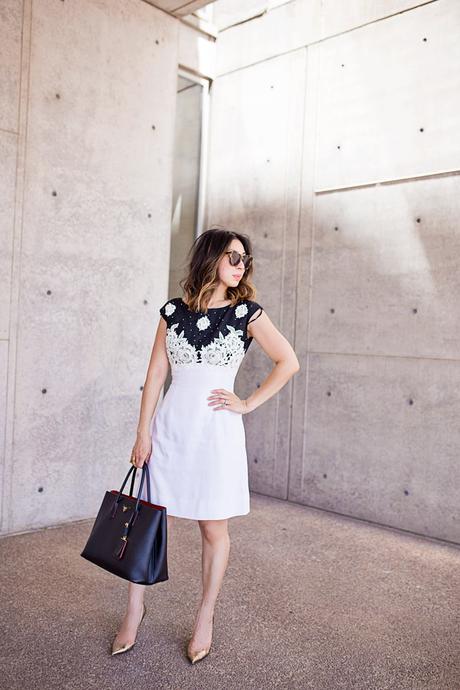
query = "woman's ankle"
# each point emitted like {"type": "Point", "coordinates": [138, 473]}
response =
{"type": "Point", "coordinates": [134, 607]}
{"type": "Point", "coordinates": [205, 612]}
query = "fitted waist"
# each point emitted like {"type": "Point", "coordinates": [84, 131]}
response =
{"type": "Point", "coordinates": [204, 376]}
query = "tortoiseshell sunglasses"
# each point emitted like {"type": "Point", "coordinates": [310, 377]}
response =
{"type": "Point", "coordinates": [235, 258]}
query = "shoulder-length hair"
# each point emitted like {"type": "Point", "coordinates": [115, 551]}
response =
{"type": "Point", "coordinates": [202, 277]}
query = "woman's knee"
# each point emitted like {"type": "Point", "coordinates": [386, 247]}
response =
{"type": "Point", "coordinates": [214, 530]}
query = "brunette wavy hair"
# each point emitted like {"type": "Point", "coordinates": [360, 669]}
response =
{"type": "Point", "coordinates": [202, 278]}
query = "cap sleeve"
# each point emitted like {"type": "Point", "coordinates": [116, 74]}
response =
{"type": "Point", "coordinates": [168, 310]}
{"type": "Point", "coordinates": [254, 311]}
{"type": "Point", "coordinates": [163, 312]}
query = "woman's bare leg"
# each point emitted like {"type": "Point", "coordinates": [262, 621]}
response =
{"type": "Point", "coordinates": [214, 560]}
{"type": "Point", "coordinates": [134, 610]}
{"type": "Point", "coordinates": [128, 630]}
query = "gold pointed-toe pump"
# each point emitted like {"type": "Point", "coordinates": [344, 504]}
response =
{"type": "Point", "coordinates": [126, 647]}
{"type": "Point", "coordinates": [200, 653]}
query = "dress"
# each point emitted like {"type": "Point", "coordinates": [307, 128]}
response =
{"type": "Point", "coordinates": [198, 465]}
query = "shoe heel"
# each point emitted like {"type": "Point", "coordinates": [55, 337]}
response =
{"type": "Point", "coordinates": [126, 648]}
{"type": "Point", "coordinates": [201, 653]}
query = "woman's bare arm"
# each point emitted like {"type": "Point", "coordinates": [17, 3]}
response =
{"type": "Point", "coordinates": [155, 378]}
{"type": "Point", "coordinates": [277, 347]}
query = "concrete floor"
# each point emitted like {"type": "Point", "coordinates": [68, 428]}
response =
{"type": "Point", "coordinates": [310, 600]}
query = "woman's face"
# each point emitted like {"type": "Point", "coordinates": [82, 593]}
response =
{"type": "Point", "coordinates": [228, 274]}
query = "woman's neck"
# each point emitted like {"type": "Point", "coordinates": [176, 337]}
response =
{"type": "Point", "coordinates": [217, 300]}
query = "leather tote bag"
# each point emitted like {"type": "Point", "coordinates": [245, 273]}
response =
{"type": "Point", "coordinates": [129, 535]}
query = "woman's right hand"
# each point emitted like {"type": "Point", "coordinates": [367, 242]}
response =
{"type": "Point", "coordinates": [142, 450]}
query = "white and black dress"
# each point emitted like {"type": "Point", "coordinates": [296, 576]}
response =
{"type": "Point", "coordinates": [198, 465]}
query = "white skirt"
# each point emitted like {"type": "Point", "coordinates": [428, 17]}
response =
{"type": "Point", "coordinates": [198, 466]}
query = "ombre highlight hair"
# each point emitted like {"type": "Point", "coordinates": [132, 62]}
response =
{"type": "Point", "coordinates": [202, 271]}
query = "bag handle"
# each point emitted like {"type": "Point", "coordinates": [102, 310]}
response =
{"type": "Point", "coordinates": [128, 525]}
{"type": "Point", "coordinates": [145, 473]}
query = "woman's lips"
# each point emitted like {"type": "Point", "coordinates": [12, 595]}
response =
{"type": "Point", "coordinates": [237, 277]}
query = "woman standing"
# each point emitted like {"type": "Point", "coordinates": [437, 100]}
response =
{"type": "Point", "coordinates": [197, 450]}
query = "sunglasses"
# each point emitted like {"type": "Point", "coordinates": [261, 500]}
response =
{"type": "Point", "coordinates": [235, 258]}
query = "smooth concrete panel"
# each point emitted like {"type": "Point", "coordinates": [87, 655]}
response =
{"type": "Point", "coordinates": [10, 62]}
{"type": "Point", "coordinates": [337, 17]}
{"type": "Point", "coordinates": [273, 28]}
{"type": "Point", "coordinates": [287, 28]}
{"type": "Point", "coordinates": [381, 441]}
{"type": "Point", "coordinates": [393, 276]}
{"type": "Point", "coordinates": [379, 254]}
{"type": "Point", "coordinates": [379, 87]}
{"type": "Point", "coordinates": [8, 158]}
{"type": "Point", "coordinates": [94, 264]}
{"type": "Point", "coordinates": [254, 187]}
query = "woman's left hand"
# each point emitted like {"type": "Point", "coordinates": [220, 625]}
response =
{"type": "Point", "coordinates": [221, 396]}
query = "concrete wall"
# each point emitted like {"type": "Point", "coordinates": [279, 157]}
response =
{"type": "Point", "coordinates": [86, 142]}
{"type": "Point", "coordinates": [335, 144]}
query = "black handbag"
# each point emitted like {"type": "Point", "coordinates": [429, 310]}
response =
{"type": "Point", "coordinates": [129, 536]}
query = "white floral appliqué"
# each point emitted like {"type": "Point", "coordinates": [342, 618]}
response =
{"type": "Point", "coordinates": [226, 350]}
{"type": "Point", "coordinates": [241, 310]}
{"type": "Point", "coordinates": [179, 350]}
{"type": "Point", "coordinates": [203, 323]}
{"type": "Point", "coordinates": [170, 308]}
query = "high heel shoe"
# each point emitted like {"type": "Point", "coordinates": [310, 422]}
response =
{"type": "Point", "coordinates": [126, 647]}
{"type": "Point", "coordinates": [201, 653]}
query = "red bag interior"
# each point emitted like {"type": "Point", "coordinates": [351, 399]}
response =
{"type": "Point", "coordinates": [134, 498]}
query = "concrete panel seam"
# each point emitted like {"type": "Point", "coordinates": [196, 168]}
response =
{"type": "Point", "coordinates": [245, 21]}
{"type": "Point", "coordinates": [298, 263]}
{"type": "Point", "coordinates": [372, 355]}
{"type": "Point", "coordinates": [389, 181]}
{"type": "Point", "coordinates": [21, 162]}
{"type": "Point", "coordinates": [312, 257]}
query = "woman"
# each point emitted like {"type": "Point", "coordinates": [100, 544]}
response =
{"type": "Point", "coordinates": [196, 450]}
